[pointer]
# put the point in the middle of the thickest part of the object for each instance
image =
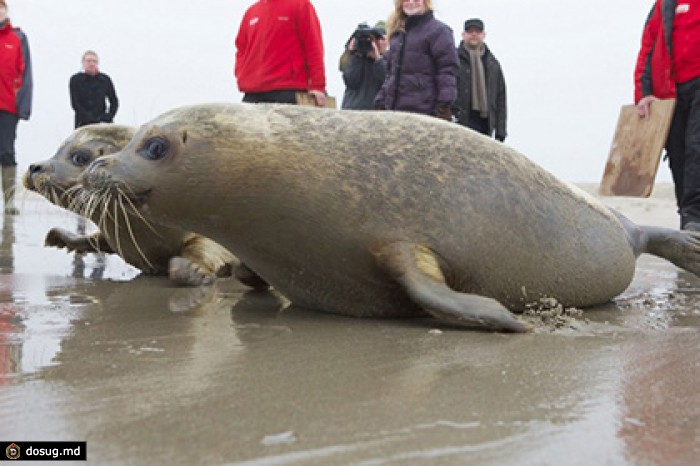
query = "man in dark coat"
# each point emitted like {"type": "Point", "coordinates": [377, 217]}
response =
{"type": "Point", "coordinates": [481, 101]}
{"type": "Point", "coordinates": [89, 92]}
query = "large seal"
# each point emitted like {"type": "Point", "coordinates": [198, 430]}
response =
{"type": "Point", "coordinates": [381, 213]}
{"type": "Point", "coordinates": [188, 258]}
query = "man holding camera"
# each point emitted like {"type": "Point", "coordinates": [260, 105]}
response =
{"type": "Point", "coordinates": [363, 66]}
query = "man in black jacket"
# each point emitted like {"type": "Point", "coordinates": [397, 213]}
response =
{"type": "Point", "coordinates": [481, 100]}
{"type": "Point", "coordinates": [89, 91]}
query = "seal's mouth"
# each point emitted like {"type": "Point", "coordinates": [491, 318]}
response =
{"type": "Point", "coordinates": [103, 184]}
{"type": "Point", "coordinates": [138, 200]}
{"type": "Point", "coordinates": [28, 182]}
{"type": "Point", "coordinates": [45, 185]}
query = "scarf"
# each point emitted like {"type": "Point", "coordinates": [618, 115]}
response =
{"type": "Point", "coordinates": [479, 100]}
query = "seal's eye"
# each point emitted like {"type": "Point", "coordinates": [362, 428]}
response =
{"type": "Point", "coordinates": [155, 148]}
{"type": "Point", "coordinates": [81, 158]}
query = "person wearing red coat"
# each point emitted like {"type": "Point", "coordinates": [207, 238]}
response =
{"type": "Point", "coordinates": [279, 52]}
{"type": "Point", "coordinates": [15, 99]}
{"type": "Point", "coordinates": [668, 66]}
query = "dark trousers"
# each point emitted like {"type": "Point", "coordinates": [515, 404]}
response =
{"type": "Point", "coordinates": [477, 123]}
{"type": "Point", "coordinates": [8, 133]}
{"type": "Point", "coordinates": [683, 149]}
{"type": "Point", "coordinates": [271, 97]}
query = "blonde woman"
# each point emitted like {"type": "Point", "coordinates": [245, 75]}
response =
{"type": "Point", "coordinates": [422, 62]}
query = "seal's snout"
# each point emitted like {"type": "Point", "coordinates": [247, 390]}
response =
{"type": "Point", "coordinates": [96, 165]}
{"type": "Point", "coordinates": [36, 168]}
{"type": "Point", "coordinates": [95, 175]}
{"type": "Point", "coordinates": [38, 175]}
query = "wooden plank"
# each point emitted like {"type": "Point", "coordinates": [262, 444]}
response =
{"type": "Point", "coordinates": [636, 150]}
{"type": "Point", "coordinates": [304, 98]}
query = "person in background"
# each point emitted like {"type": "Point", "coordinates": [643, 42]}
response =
{"type": "Point", "coordinates": [668, 66]}
{"type": "Point", "coordinates": [422, 62]}
{"type": "Point", "coordinates": [481, 98]}
{"type": "Point", "coordinates": [279, 52]}
{"type": "Point", "coordinates": [15, 99]}
{"type": "Point", "coordinates": [363, 67]}
{"type": "Point", "coordinates": [90, 90]}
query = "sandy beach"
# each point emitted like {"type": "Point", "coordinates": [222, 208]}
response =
{"type": "Point", "coordinates": [149, 373]}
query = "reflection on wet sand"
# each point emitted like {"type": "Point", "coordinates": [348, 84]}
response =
{"type": "Point", "coordinates": [10, 346]}
{"type": "Point", "coordinates": [7, 241]}
{"type": "Point", "coordinates": [660, 399]}
{"type": "Point", "coordinates": [148, 373]}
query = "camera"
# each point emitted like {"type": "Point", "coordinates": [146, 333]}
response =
{"type": "Point", "coordinates": [364, 35]}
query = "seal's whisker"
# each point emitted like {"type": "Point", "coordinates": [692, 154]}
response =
{"type": "Point", "coordinates": [106, 212]}
{"type": "Point", "coordinates": [79, 203]}
{"type": "Point", "coordinates": [75, 199]}
{"type": "Point", "coordinates": [94, 242]}
{"type": "Point", "coordinates": [86, 200]}
{"type": "Point", "coordinates": [95, 200]}
{"type": "Point", "coordinates": [141, 217]}
{"type": "Point", "coordinates": [126, 189]}
{"type": "Point", "coordinates": [85, 205]}
{"type": "Point", "coordinates": [58, 195]}
{"type": "Point", "coordinates": [91, 204]}
{"type": "Point", "coordinates": [54, 196]}
{"type": "Point", "coordinates": [116, 229]}
{"type": "Point", "coordinates": [131, 232]}
{"type": "Point", "coordinates": [70, 193]}
{"type": "Point", "coordinates": [104, 199]}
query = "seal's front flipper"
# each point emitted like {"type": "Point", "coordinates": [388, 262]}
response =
{"type": "Point", "coordinates": [183, 271]}
{"type": "Point", "coordinates": [60, 238]}
{"type": "Point", "coordinates": [417, 270]}
{"type": "Point", "coordinates": [249, 278]}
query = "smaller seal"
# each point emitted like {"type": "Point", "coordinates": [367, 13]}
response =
{"type": "Point", "coordinates": [187, 258]}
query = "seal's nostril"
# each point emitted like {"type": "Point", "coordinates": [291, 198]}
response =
{"type": "Point", "coordinates": [35, 168]}
{"type": "Point", "coordinates": [96, 164]}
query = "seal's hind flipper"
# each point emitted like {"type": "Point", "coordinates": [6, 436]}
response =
{"type": "Point", "coordinates": [417, 270]}
{"type": "Point", "coordinates": [681, 247]}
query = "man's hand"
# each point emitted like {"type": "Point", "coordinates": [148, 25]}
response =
{"type": "Point", "coordinates": [320, 98]}
{"type": "Point", "coordinates": [644, 106]}
{"type": "Point", "coordinates": [374, 54]}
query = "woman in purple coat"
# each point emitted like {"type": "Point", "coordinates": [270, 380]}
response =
{"type": "Point", "coordinates": [422, 62]}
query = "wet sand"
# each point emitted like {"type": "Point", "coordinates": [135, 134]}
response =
{"type": "Point", "coordinates": [148, 373]}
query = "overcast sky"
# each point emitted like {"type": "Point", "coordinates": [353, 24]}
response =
{"type": "Point", "coordinates": [568, 65]}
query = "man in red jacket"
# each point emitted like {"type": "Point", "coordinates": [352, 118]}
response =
{"type": "Point", "coordinates": [279, 51]}
{"type": "Point", "coordinates": [668, 66]}
{"type": "Point", "coordinates": [15, 99]}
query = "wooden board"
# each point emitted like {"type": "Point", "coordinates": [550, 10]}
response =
{"type": "Point", "coordinates": [636, 150]}
{"type": "Point", "coordinates": [304, 98]}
